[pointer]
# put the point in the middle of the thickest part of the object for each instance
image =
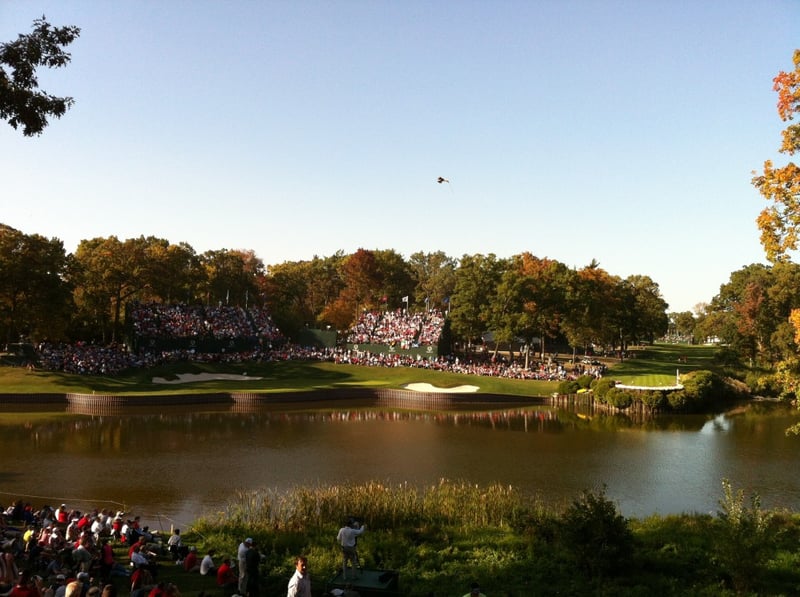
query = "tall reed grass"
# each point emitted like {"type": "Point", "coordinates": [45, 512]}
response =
{"type": "Point", "coordinates": [457, 504]}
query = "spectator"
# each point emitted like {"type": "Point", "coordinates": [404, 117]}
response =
{"type": "Point", "coordinates": [207, 567]}
{"type": "Point", "coordinates": [226, 578]}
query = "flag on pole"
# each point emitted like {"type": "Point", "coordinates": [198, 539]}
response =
{"type": "Point", "coordinates": [405, 299]}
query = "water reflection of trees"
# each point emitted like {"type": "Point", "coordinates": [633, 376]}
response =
{"type": "Point", "coordinates": [174, 428]}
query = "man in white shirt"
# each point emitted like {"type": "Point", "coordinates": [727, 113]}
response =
{"type": "Point", "coordinates": [207, 565]}
{"type": "Point", "coordinates": [241, 556]}
{"type": "Point", "coordinates": [348, 539]}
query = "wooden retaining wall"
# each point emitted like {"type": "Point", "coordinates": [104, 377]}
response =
{"type": "Point", "coordinates": [106, 404]}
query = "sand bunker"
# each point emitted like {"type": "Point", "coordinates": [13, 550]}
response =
{"type": "Point", "coordinates": [426, 387]}
{"type": "Point", "coordinates": [192, 377]}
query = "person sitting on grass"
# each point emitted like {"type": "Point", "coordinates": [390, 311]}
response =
{"type": "Point", "coordinates": [141, 582]}
{"type": "Point", "coordinates": [227, 579]}
{"type": "Point", "coordinates": [190, 562]}
{"type": "Point", "coordinates": [207, 567]}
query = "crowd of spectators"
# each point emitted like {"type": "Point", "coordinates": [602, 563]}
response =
{"type": "Point", "coordinates": [399, 328]}
{"type": "Point", "coordinates": [159, 320]}
{"type": "Point", "coordinates": [548, 369]}
{"type": "Point", "coordinates": [89, 359]}
{"type": "Point", "coordinates": [394, 329]}
{"type": "Point", "coordinates": [56, 546]}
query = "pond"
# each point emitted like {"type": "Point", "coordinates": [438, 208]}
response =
{"type": "Point", "coordinates": [174, 465]}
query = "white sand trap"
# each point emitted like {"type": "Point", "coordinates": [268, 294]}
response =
{"type": "Point", "coordinates": [426, 387]}
{"type": "Point", "coordinates": [192, 377]}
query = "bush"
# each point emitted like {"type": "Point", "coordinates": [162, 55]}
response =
{"type": "Point", "coordinates": [601, 386]}
{"type": "Point", "coordinates": [621, 399]}
{"type": "Point", "coordinates": [700, 390]}
{"type": "Point", "coordinates": [763, 384]}
{"type": "Point", "coordinates": [653, 399]}
{"type": "Point", "coordinates": [568, 387]}
{"type": "Point", "coordinates": [727, 357]}
{"type": "Point", "coordinates": [746, 538]}
{"type": "Point", "coordinates": [585, 381]}
{"type": "Point", "coordinates": [679, 400]}
{"type": "Point", "coordinates": [595, 536]}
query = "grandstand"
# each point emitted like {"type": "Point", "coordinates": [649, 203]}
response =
{"type": "Point", "coordinates": [161, 327]}
{"type": "Point", "coordinates": [397, 332]}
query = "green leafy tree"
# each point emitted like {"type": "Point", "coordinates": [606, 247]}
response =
{"type": "Point", "coordinates": [396, 280]}
{"type": "Point", "coordinates": [22, 103]}
{"type": "Point", "coordinates": [231, 276]}
{"type": "Point", "coordinates": [682, 324]}
{"type": "Point", "coordinates": [287, 288]}
{"type": "Point", "coordinates": [35, 298]}
{"type": "Point", "coordinates": [477, 278]}
{"type": "Point", "coordinates": [645, 315]}
{"type": "Point", "coordinates": [435, 276]}
{"type": "Point", "coordinates": [505, 316]}
{"type": "Point", "coordinates": [173, 272]}
{"type": "Point", "coordinates": [108, 274]}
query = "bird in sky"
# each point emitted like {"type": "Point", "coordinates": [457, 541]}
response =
{"type": "Point", "coordinates": [440, 180]}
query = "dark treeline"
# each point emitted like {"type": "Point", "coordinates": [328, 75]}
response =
{"type": "Point", "coordinates": [46, 293]}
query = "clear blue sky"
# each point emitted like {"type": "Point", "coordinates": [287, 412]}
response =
{"type": "Point", "coordinates": [621, 131]}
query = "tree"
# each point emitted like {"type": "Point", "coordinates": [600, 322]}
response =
{"type": "Point", "coordinates": [505, 315]}
{"type": "Point", "coordinates": [35, 298]}
{"type": "Point", "coordinates": [476, 283]}
{"type": "Point", "coordinates": [396, 278]}
{"type": "Point", "coordinates": [594, 308]}
{"type": "Point", "coordinates": [779, 223]}
{"type": "Point", "coordinates": [231, 276]}
{"type": "Point", "coordinates": [547, 282]}
{"type": "Point", "coordinates": [435, 275]}
{"type": "Point", "coordinates": [682, 324]}
{"type": "Point", "coordinates": [108, 274]}
{"type": "Point", "coordinates": [21, 101]}
{"type": "Point", "coordinates": [362, 278]}
{"type": "Point", "coordinates": [647, 318]}
{"type": "Point", "coordinates": [173, 272]}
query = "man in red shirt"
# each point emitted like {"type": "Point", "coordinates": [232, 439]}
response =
{"type": "Point", "coordinates": [227, 579]}
{"type": "Point", "coordinates": [190, 562]}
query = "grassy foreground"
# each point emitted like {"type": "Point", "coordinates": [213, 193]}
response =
{"type": "Point", "coordinates": [443, 537]}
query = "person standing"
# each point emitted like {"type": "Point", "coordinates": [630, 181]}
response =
{"type": "Point", "coordinates": [300, 583]}
{"type": "Point", "coordinates": [252, 560]}
{"type": "Point", "coordinates": [241, 556]}
{"type": "Point", "coordinates": [348, 540]}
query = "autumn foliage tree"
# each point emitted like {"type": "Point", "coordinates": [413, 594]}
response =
{"type": "Point", "coordinates": [779, 223]}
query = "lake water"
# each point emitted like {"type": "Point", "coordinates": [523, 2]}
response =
{"type": "Point", "coordinates": [173, 466]}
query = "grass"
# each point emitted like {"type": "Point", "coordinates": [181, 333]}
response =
{"type": "Point", "coordinates": [657, 365]}
{"type": "Point", "coordinates": [653, 366]}
{"type": "Point", "coordinates": [442, 537]}
{"type": "Point", "coordinates": [276, 377]}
